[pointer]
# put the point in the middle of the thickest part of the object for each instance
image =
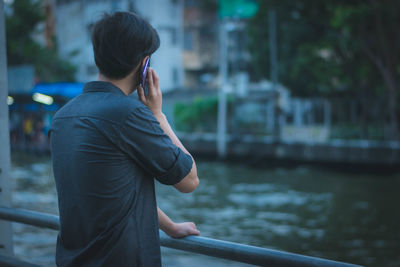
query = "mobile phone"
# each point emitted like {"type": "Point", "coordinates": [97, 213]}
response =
{"type": "Point", "coordinates": [144, 75]}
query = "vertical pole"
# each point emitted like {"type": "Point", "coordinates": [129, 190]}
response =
{"type": "Point", "coordinates": [312, 112]}
{"type": "Point", "coordinates": [273, 47]}
{"type": "Point", "coordinates": [327, 114]}
{"type": "Point", "coordinates": [223, 73]}
{"type": "Point", "coordinates": [6, 245]}
{"type": "Point", "coordinates": [271, 115]}
{"type": "Point", "coordinates": [274, 68]}
{"type": "Point", "coordinates": [298, 115]}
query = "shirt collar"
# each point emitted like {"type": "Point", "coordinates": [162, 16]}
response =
{"type": "Point", "coordinates": [101, 86]}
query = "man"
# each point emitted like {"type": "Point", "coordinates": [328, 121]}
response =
{"type": "Point", "coordinates": [107, 148]}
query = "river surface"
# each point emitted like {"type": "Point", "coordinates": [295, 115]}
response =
{"type": "Point", "coordinates": [346, 217]}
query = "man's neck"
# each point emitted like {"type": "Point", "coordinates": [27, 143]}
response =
{"type": "Point", "coordinates": [124, 84]}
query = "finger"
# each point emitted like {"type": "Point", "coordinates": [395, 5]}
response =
{"type": "Point", "coordinates": [195, 232]}
{"type": "Point", "coordinates": [156, 79]}
{"type": "Point", "coordinates": [141, 94]}
{"type": "Point", "coordinates": [193, 229]}
{"type": "Point", "coordinates": [152, 89]}
{"type": "Point", "coordinates": [155, 82]}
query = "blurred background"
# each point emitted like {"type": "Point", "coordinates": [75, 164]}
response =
{"type": "Point", "coordinates": [290, 106]}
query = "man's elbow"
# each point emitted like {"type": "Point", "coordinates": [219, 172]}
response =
{"type": "Point", "coordinates": [195, 184]}
{"type": "Point", "coordinates": [190, 185]}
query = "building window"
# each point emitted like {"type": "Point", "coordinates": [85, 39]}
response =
{"type": "Point", "coordinates": [188, 40]}
{"type": "Point", "coordinates": [175, 76]}
{"type": "Point", "coordinates": [174, 36]}
{"type": "Point", "coordinates": [191, 3]}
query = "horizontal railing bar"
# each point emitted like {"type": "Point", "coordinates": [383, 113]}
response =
{"type": "Point", "coordinates": [201, 245]}
{"type": "Point", "coordinates": [14, 262]}
{"type": "Point", "coordinates": [245, 253]}
{"type": "Point", "coordinates": [30, 217]}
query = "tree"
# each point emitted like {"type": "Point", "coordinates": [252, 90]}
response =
{"type": "Point", "coordinates": [335, 47]}
{"type": "Point", "coordinates": [374, 27]}
{"type": "Point", "coordinates": [21, 25]}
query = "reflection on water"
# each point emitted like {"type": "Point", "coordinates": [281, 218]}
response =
{"type": "Point", "coordinates": [34, 189]}
{"type": "Point", "coordinates": [349, 218]}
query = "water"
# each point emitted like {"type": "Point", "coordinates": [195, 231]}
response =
{"type": "Point", "coordinates": [345, 217]}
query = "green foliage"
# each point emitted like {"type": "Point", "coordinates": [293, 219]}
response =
{"type": "Point", "coordinates": [51, 68]}
{"type": "Point", "coordinates": [22, 49]}
{"type": "Point", "coordinates": [208, 5]}
{"type": "Point", "coordinates": [197, 116]}
{"type": "Point", "coordinates": [299, 25]}
{"type": "Point", "coordinates": [319, 45]}
{"type": "Point", "coordinates": [334, 48]}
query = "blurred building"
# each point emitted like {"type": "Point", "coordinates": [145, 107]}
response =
{"type": "Point", "coordinates": [200, 54]}
{"type": "Point", "coordinates": [75, 18]}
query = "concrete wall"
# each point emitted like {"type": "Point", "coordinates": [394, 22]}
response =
{"type": "Point", "coordinates": [382, 155]}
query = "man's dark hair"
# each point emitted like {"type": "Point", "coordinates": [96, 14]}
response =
{"type": "Point", "coordinates": [120, 41]}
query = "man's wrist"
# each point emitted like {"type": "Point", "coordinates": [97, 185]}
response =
{"type": "Point", "coordinates": [159, 115]}
{"type": "Point", "coordinates": [169, 228]}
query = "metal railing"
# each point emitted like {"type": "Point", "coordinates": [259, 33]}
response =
{"type": "Point", "coordinates": [201, 245]}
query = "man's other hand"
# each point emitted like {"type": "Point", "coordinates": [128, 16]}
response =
{"type": "Point", "coordinates": [179, 230]}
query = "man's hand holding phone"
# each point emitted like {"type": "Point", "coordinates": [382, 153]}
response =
{"type": "Point", "coordinates": [153, 99]}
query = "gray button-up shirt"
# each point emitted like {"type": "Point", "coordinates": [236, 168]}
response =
{"type": "Point", "coordinates": [107, 149]}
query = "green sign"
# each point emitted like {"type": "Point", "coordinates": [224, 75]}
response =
{"type": "Point", "coordinates": [237, 8]}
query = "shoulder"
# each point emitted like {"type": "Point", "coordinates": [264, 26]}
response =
{"type": "Point", "coordinates": [117, 109]}
{"type": "Point", "coordinates": [130, 108]}
{"type": "Point", "coordinates": [122, 105]}
{"type": "Point", "coordinates": [104, 106]}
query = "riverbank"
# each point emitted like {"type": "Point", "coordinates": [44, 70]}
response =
{"type": "Point", "coordinates": [347, 155]}
{"type": "Point", "coordinates": [360, 155]}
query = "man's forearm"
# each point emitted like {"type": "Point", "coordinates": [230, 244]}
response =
{"type": "Point", "coordinates": [191, 181]}
{"type": "Point", "coordinates": [164, 222]}
{"type": "Point", "coordinates": [164, 124]}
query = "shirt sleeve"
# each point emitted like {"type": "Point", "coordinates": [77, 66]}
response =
{"type": "Point", "coordinates": [146, 143]}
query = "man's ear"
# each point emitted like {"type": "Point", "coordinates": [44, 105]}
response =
{"type": "Point", "coordinates": [144, 61]}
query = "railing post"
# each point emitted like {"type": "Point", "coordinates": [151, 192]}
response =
{"type": "Point", "coordinates": [6, 244]}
